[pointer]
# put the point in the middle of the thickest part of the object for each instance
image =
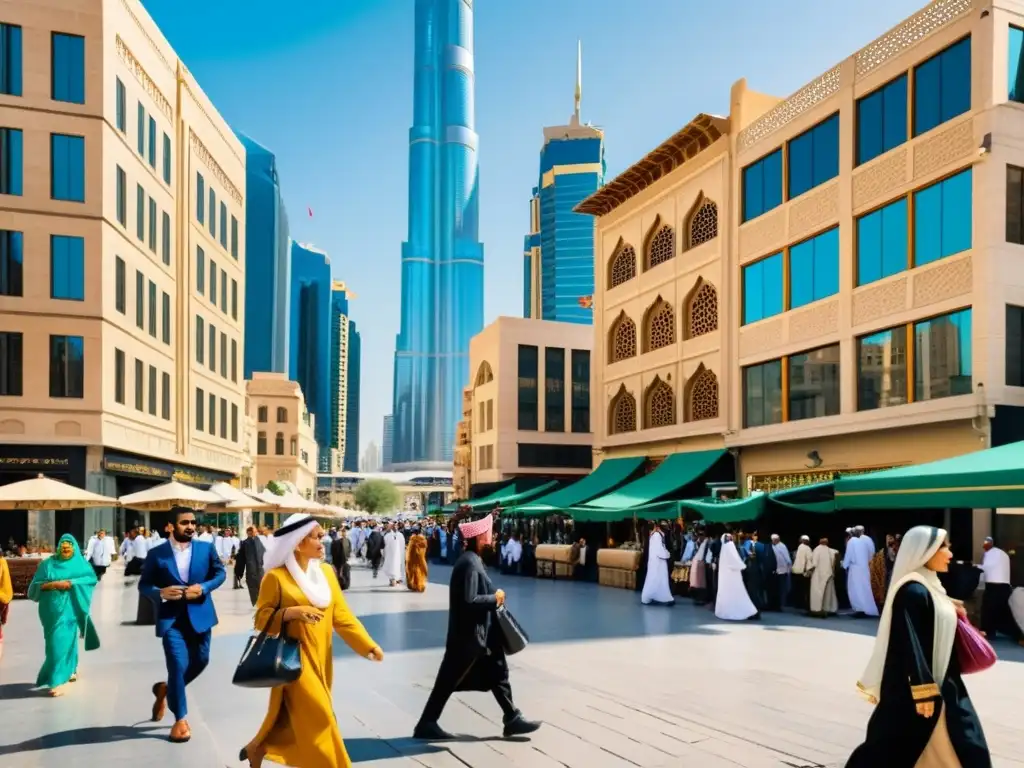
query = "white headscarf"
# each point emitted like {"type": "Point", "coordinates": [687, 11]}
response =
{"type": "Point", "coordinates": [916, 549]}
{"type": "Point", "coordinates": [281, 551]}
{"type": "Point", "coordinates": [730, 558]}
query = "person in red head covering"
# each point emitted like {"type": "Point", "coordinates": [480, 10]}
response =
{"type": "Point", "coordinates": [474, 658]}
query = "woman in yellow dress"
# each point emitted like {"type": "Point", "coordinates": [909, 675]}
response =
{"type": "Point", "coordinates": [6, 595]}
{"type": "Point", "coordinates": [301, 592]}
{"type": "Point", "coordinates": [416, 562]}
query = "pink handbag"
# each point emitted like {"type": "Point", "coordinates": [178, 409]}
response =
{"type": "Point", "coordinates": [973, 651]}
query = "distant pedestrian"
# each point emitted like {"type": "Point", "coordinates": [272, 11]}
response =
{"type": "Point", "coordinates": [249, 563]}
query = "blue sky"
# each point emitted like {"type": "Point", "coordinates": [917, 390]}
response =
{"type": "Point", "coordinates": [327, 85]}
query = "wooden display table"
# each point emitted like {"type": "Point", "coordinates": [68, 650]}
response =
{"type": "Point", "coordinates": [618, 567]}
{"type": "Point", "coordinates": [553, 561]}
{"type": "Point", "coordinates": [22, 569]}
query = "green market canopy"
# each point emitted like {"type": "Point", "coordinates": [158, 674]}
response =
{"type": "Point", "coordinates": [642, 495]}
{"type": "Point", "coordinates": [610, 474]}
{"type": "Point", "coordinates": [504, 497]}
{"type": "Point", "coordinates": [989, 478]}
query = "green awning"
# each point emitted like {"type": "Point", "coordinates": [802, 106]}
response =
{"type": "Point", "coordinates": [727, 510]}
{"type": "Point", "coordinates": [502, 493]}
{"type": "Point", "coordinates": [609, 474]}
{"type": "Point", "coordinates": [990, 478]}
{"type": "Point", "coordinates": [672, 475]}
{"type": "Point", "coordinates": [818, 498]}
{"type": "Point", "coordinates": [508, 496]}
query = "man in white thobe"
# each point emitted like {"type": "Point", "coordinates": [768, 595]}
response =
{"type": "Point", "coordinates": [206, 535]}
{"type": "Point", "coordinates": [823, 600]}
{"type": "Point", "coordinates": [134, 551]}
{"type": "Point", "coordinates": [394, 555]}
{"type": "Point", "coordinates": [513, 554]}
{"type": "Point", "coordinates": [802, 572]}
{"type": "Point", "coordinates": [732, 602]}
{"type": "Point", "coordinates": [656, 586]}
{"type": "Point", "coordinates": [783, 566]}
{"type": "Point", "coordinates": [856, 561]}
{"type": "Point", "coordinates": [995, 599]}
{"type": "Point", "coordinates": [99, 552]}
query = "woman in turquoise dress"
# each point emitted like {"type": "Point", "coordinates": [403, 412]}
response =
{"type": "Point", "coordinates": [63, 587]}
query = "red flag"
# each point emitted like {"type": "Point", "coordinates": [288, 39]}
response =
{"type": "Point", "coordinates": [310, 211]}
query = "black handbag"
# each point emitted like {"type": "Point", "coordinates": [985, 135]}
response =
{"type": "Point", "coordinates": [513, 636]}
{"type": "Point", "coordinates": [269, 661]}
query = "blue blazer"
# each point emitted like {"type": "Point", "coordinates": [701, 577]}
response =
{"type": "Point", "coordinates": [160, 570]}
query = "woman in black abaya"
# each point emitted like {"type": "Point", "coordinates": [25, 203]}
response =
{"type": "Point", "coordinates": [924, 717]}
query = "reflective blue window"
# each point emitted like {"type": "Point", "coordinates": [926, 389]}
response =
{"type": "Point", "coordinates": [200, 198]}
{"type": "Point", "coordinates": [223, 225]}
{"type": "Point", "coordinates": [943, 353]}
{"type": "Point", "coordinates": [762, 185]}
{"type": "Point", "coordinates": [67, 366]}
{"type": "Point", "coordinates": [141, 130]}
{"type": "Point", "coordinates": [814, 157]}
{"type": "Point", "coordinates": [67, 268]}
{"type": "Point", "coordinates": [942, 219]}
{"type": "Point", "coordinates": [152, 143]}
{"type": "Point", "coordinates": [762, 289]}
{"type": "Point", "coordinates": [67, 167]}
{"type": "Point", "coordinates": [167, 159]}
{"type": "Point", "coordinates": [12, 161]}
{"type": "Point", "coordinates": [814, 269]}
{"type": "Point", "coordinates": [12, 262]}
{"type": "Point", "coordinates": [882, 242]}
{"type": "Point", "coordinates": [1015, 70]}
{"type": "Point", "coordinates": [140, 213]}
{"type": "Point", "coordinates": [213, 213]}
{"type": "Point", "coordinates": [10, 59]}
{"type": "Point", "coordinates": [882, 120]}
{"type": "Point", "coordinates": [120, 105]}
{"type": "Point", "coordinates": [942, 87]}
{"type": "Point", "coordinates": [68, 68]}
{"type": "Point", "coordinates": [121, 191]}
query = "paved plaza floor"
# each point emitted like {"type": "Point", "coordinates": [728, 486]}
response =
{"type": "Point", "coordinates": [617, 685]}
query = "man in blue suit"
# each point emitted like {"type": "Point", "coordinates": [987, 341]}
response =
{"type": "Point", "coordinates": [179, 576]}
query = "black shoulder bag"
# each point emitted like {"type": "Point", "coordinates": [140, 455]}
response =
{"type": "Point", "coordinates": [513, 637]}
{"type": "Point", "coordinates": [268, 660]}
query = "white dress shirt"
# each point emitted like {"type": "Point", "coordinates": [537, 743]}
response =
{"type": "Point", "coordinates": [182, 557]}
{"type": "Point", "coordinates": [100, 551]}
{"type": "Point", "coordinates": [996, 566]}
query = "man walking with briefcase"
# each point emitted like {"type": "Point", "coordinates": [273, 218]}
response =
{"type": "Point", "coordinates": [474, 656]}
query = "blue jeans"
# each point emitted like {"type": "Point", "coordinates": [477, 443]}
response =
{"type": "Point", "coordinates": [187, 653]}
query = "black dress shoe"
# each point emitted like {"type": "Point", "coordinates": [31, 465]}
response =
{"type": "Point", "coordinates": [431, 732]}
{"type": "Point", "coordinates": [519, 726]}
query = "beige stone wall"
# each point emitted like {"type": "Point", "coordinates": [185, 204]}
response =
{"type": "Point", "coordinates": [296, 462]}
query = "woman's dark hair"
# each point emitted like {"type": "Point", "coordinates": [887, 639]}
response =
{"type": "Point", "coordinates": [473, 544]}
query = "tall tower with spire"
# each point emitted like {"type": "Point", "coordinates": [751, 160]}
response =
{"type": "Point", "coordinates": [558, 252]}
{"type": "Point", "coordinates": [442, 258]}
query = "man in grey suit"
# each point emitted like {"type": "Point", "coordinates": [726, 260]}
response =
{"type": "Point", "coordinates": [249, 563]}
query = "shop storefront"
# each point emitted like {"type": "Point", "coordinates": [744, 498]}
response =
{"type": "Point", "coordinates": [23, 462]}
{"type": "Point", "coordinates": [132, 473]}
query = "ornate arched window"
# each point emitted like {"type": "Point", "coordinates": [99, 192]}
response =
{"type": "Point", "coordinates": [261, 416]}
{"type": "Point", "coordinates": [659, 326]}
{"type": "Point", "coordinates": [622, 339]}
{"type": "Point", "coordinates": [622, 413]}
{"type": "Point", "coordinates": [661, 244]}
{"type": "Point", "coordinates": [622, 267]}
{"type": "Point", "coordinates": [702, 395]}
{"type": "Point", "coordinates": [484, 373]}
{"type": "Point", "coordinates": [279, 444]}
{"type": "Point", "coordinates": [701, 310]}
{"type": "Point", "coordinates": [282, 415]}
{"type": "Point", "coordinates": [659, 405]}
{"type": "Point", "coordinates": [702, 222]}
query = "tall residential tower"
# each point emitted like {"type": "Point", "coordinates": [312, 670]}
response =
{"type": "Point", "coordinates": [558, 264]}
{"type": "Point", "coordinates": [442, 260]}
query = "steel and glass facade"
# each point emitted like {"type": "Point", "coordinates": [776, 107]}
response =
{"type": "Point", "coordinates": [558, 253]}
{"type": "Point", "coordinates": [310, 338]}
{"type": "Point", "coordinates": [442, 259]}
{"type": "Point", "coordinates": [340, 356]}
{"type": "Point", "coordinates": [267, 264]}
{"type": "Point", "coordinates": [355, 352]}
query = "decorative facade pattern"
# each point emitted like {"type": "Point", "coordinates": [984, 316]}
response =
{"type": "Point", "coordinates": [945, 280]}
{"type": "Point", "coordinates": [623, 339]}
{"type": "Point", "coordinates": [484, 374]}
{"type": "Point", "coordinates": [125, 54]}
{"type": "Point", "coordinates": [662, 246]}
{"type": "Point", "coordinates": [942, 149]}
{"type": "Point", "coordinates": [811, 94]}
{"type": "Point", "coordinates": [206, 159]}
{"type": "Point", "coordinates": [760, 337]}
{"type": "Point", "coordinates": [880, 180]}
{"type": "Point", "coordinates": [814, 211]}
{"type": "Point", "coordinates": [814, 322]}
{"type": "Point", "coordinates": [702, 395]}
{"type": "Point", "coordinates": [701, 311]}
{"type": "Point", "coordinates": [908, 34]}
{"type": "Point", "coordinates": [764, 234]}
{"type": "Point", "coordinates": [622, 413]}
{"type": "Point", "coordinates": [702, 223]}
{"type": "Point", "coordinates": [659, 405]}
{"type": "Point", "coordinates": [623, 266]}
{"type": "Point", "coordinates": [878, 301]}
{"type": "Point", "coordinates": [659, 326]}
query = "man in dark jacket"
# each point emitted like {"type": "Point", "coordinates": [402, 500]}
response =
{"type": "Point", "coordinates": [474, 656]}
{"type": "Point", "coordinates": [375, 549]}
{"type": "Point", "coordinates": [249, 563]}
{"type": "Point", "coordinates": [341, 550]}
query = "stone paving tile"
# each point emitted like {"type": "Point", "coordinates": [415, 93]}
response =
{"type": "Point", "coordinates": [618, 686]}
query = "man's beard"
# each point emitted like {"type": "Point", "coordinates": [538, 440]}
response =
{"type": "Point", "coordinates": [182, 537]}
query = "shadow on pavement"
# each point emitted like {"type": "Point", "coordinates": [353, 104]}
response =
{"type": "Point", "coordinates": [78, 737]}
{"type": "Point", "coordinates": [366, 750]}
{"type": "Point", "coordinates": [12, 691]}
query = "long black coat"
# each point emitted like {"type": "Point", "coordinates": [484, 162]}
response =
{"type": "Point", "coordinates": [341, 550]}
{"type": "Point", "coordinates": [249, 560]}
{"type": "Point", "coordinates": [473, 645]}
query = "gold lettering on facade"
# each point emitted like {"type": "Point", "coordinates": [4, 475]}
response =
{"type": "Point", "coordinates": [207, 159]}
{"type": "Point", "coordinates": [784, 481]}
{"type": "Point", "coordinates": [186, 476]}
{"type": "Point", "coordinates": [136, 68]}
{"type": "Point", "coordinates": [22, 462]}
{"type": "Point", "coordinates": [130, 468]}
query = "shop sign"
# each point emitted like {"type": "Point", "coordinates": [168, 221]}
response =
{"type": "Point", "coordinates": [783, 481]}
{"type": "Point", "coordinates": [136, 467]}
{"type": "Point", "coordinates": [194, 476]}
{"type": "Point", "coordinates": [19, 461]}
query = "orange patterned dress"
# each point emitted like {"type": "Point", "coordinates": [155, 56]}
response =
{"type": "Point", "coordinates": [416, 563]}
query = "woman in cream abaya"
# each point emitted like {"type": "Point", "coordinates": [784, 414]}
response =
{"type": "Point", "coordinates": [923, 716]}
{"type": "Point", "coordinates": [300, 728]}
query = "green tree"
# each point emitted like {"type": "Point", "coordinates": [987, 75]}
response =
{"type": "Point", "coordinates": [377, 495]}
{"type": "Point", "coordinates": [276, 488]}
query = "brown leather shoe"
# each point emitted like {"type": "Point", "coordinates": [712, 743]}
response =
{"type": "Point", "coordinates": [160, 705]}
{"type": "Point", "coordinates": [180, 732]}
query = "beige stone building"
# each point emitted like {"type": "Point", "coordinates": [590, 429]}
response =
{"type": "Point", "coordinates": [462, 458]}
{"type": "Point", "coordinates": [527, 411]}
{"type": "Point", "coordinates": [827, 282]}
{"type": "Point", "coordinates": [122, 258]}
{"type": "Point", "coordinates": [284, 447]}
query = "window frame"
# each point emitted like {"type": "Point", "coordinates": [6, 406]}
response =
{"type": "Point", "coordinates": [880, 91]}
{"type": "Point", "coordinates": [12, 161]}
{"type": "Point", "coordinates": [912, 94]}
{"type": "Point", "coordinates": [72, 293]}
{"type": "Point", "coordinates": [811, 135]}
{"type": "Point", "coordinates": [783, 164]}
{"type": "Point", "coordinates": [78, 142]}
{"type": "Point", "coordinates": [784, 386]}
{"type": "Point", "coordinates": [70, 97]}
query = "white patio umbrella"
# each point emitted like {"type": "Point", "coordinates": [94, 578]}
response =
{"type": "Point", "coordinates": [169, 495]}
{"type": "Point", "coordinates": [232, 498]}
{"type": "Point", "coordinates": [46, 493]}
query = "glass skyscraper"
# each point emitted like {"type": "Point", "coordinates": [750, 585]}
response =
{"type": "Point", "coordinates": [443, 259]}
{"type": "Point", "coordinates": [310, 338]}
{"type": "Point", "coordinates": [340, 368]}
{"type": "Point", "coordinates": [558, 263]}
{"type": "Point", "coordinates": [355, 354]}
{"type": "Point", "coordinates": [267, 264]}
